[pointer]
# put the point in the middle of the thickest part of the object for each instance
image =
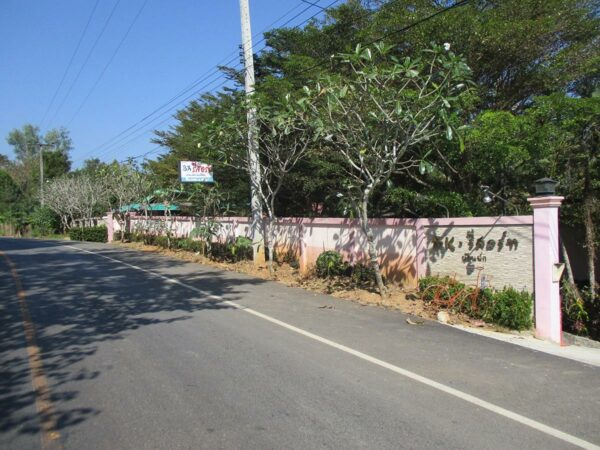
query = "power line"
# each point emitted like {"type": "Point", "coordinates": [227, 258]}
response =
{"type": "Point", "coordinates": [121, 144]}
{"type": "Point", "coordinates": [311, 4]}
{"type": "Point", "coordinates": [109, 62]}
{"type": "Point", "coordinates": [225, 61]}
{"type": "Point", "coordinates": [124, 141]}
{"type": "Point", "coordinates": [401, 30]}
{"type": "Point", "coordinates": [62, 80]}
{"type": "Point", "coordinates": [143, 155]}
{"type": "Point", "coordinates": [86, 59]}
{"type": "Point", "coordinates": [211, 72]}
{"type": "Point", "coordinates": [118, 140]}
{"type": "Point", "coordinates": [425, 19]}
{"type": "Point", "coordinates": [125, 134]}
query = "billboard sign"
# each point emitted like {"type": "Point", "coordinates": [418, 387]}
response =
{"type": "Point", "coordinates": [195, 172]}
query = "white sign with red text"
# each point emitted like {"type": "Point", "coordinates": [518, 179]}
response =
{"type": "Point", "coordinates": [195, 172]}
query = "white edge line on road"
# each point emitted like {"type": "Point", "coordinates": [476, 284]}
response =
{"type": "Point", "coordinates": [399, 370]}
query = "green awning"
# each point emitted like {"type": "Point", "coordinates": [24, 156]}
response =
{"type": "Point", "coordinates": [150, 207]}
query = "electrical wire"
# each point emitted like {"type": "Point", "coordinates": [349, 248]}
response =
{"type": "Point", "coordinates": [401, 30]}
{"type": "Point", "coordinates": [121, 144]}
{"type": "Point", "coordinates": [394, 32]}
{"type": "Point", "coordinates": [215, 70]}
{"type": "Point", "coordinates": [370, 12]}
{"type": "Point", "coordinates": [106, 22]}
{"type": "Point", "coordinates": [139, 134]}
{"type": "Point", "coordinates": [225, 61]}
{"type": "Point", "coordinates": [64, 76]}
{"type": "Point", "coordinates": [118, 141]}
{"type": "Point", "coordinates": [107, 65]}
{"type": "Point", "coordinates": [143, 155]}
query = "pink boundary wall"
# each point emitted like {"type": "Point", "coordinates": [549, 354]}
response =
{"type": "Point", "coordinates": [402, 246]}
{"type": "Point", "coordinates": [402, 243]}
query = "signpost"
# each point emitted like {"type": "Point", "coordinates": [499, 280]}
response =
{"type": "Point", "coordinates": [195, 172]}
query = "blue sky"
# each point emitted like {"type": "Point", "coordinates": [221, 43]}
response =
{"type": "Point", "coordinates": [170, 45]}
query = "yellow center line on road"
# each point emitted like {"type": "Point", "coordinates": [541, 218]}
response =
{"type": "Point", "coordinates": [49, 436]}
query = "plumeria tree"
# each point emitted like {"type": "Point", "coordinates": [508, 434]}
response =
{"type": "Point", "coordinates": [379, 115]}
{"type": "Point", "coordinates": [284, 139]}
{"type": "Point", "coordinates": [77, 196]}
{"type": "Point", "coordinates": [126, 184]}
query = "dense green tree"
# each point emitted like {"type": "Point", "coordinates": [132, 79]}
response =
{"type": "Point", "coordinates": [516, 48]}
{"type": "Point", "coordinates": [27, 140]}
{"type": "Point", "coordinates": [24, 171]}
{"type": "Point", "coordinates": [93, 166]}
{"type": "Point", "coordinates": [9, 191]}
{"type": "Point", "coordinates": [182, 141]}
{"type": "Point", "coordinates": [296, 55]}
{"type": "Point", "coordinates": [378, 117]}
{"type": "Point", "coordinates": [498, 155]}
{"type": "Point", "coordinates": [567, 130]}
{"type": "Point", "coordinates": [284, 139]}
{"type": "Point", "coordinates": [27, 143]}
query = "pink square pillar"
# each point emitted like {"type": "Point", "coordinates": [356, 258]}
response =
{"type": "Point", "coordinates": [548, 319]}
{"type": "Point", "coordinates": [302, 248]}
{"type": "Point", "coordinates": [110, 226]}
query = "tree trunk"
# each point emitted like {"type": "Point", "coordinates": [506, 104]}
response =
{"type": "Point", "coordinates": [371, 249]}
{"type": "Point", "coordinates": [124, 227]}
{"type": "Point", "coordinates": [166, 230]}
{"type": "Point", "coordinates": [571, 278]}
{"type": "Point", "coordinates": [590, 243]}
{"type": "Point", "coordinates": [568, 267]}
{"type": "Point", "coordinates": [269, 245]}
{"type": "Point", "coordinates": [375, 263]}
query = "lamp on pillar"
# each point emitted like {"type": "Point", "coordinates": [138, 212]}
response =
{"type": "Point", "coordinates": [545, 187]}
{"type": "Point", "coordinates": [489, 197]}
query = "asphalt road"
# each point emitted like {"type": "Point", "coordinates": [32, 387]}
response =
{"type": "Point", "coordinates": [146, 352]}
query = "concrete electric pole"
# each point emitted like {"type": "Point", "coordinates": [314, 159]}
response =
{"type": "Point", "coordinates": [41, 148]}
{"type": "Point", "coordinates": [42, 175]}
{"type": "Point", "coordinates": [255, 203]}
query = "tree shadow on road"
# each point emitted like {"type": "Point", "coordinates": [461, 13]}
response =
{"type": "Point", "coordinates": [79, 302]}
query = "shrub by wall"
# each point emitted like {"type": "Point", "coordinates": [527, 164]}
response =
{"type": "Point", "coordinates": [507, 307]}
{"type": "Point", "coordinates": [91, 234]}
{"type": "Point", "coordinates": [330, 263]}
{"type": "Point", "coordinates": [239, 250]}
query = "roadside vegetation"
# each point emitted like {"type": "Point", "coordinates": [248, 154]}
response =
{"type": "Point", "coordinates": [377, 110]}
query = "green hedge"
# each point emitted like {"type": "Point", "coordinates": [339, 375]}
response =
{"type": "Point", "coordinates": [239, 250]}
{"type": "Point", "coordinates": [507, 307]}
{"type": "Point", "coordinates": [91, 234]}
{"type": "Point", "coordinates": [331, 264]}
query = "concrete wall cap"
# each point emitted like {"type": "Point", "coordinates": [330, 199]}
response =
{"type": "Point", "coordinates": [545, 202]}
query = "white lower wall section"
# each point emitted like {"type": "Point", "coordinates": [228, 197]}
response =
{"type": "Point", "coordinates": [499, 255]}
{"type": "Point", "coordinates": [498, 250]}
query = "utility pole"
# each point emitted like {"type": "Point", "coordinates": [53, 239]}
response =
{"type": "Point", "coordinates": [255, 203]}
{"type": "Point", "coordinates": [41, 147]}
{"type": "Point", "coordinates": [41, 175]}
